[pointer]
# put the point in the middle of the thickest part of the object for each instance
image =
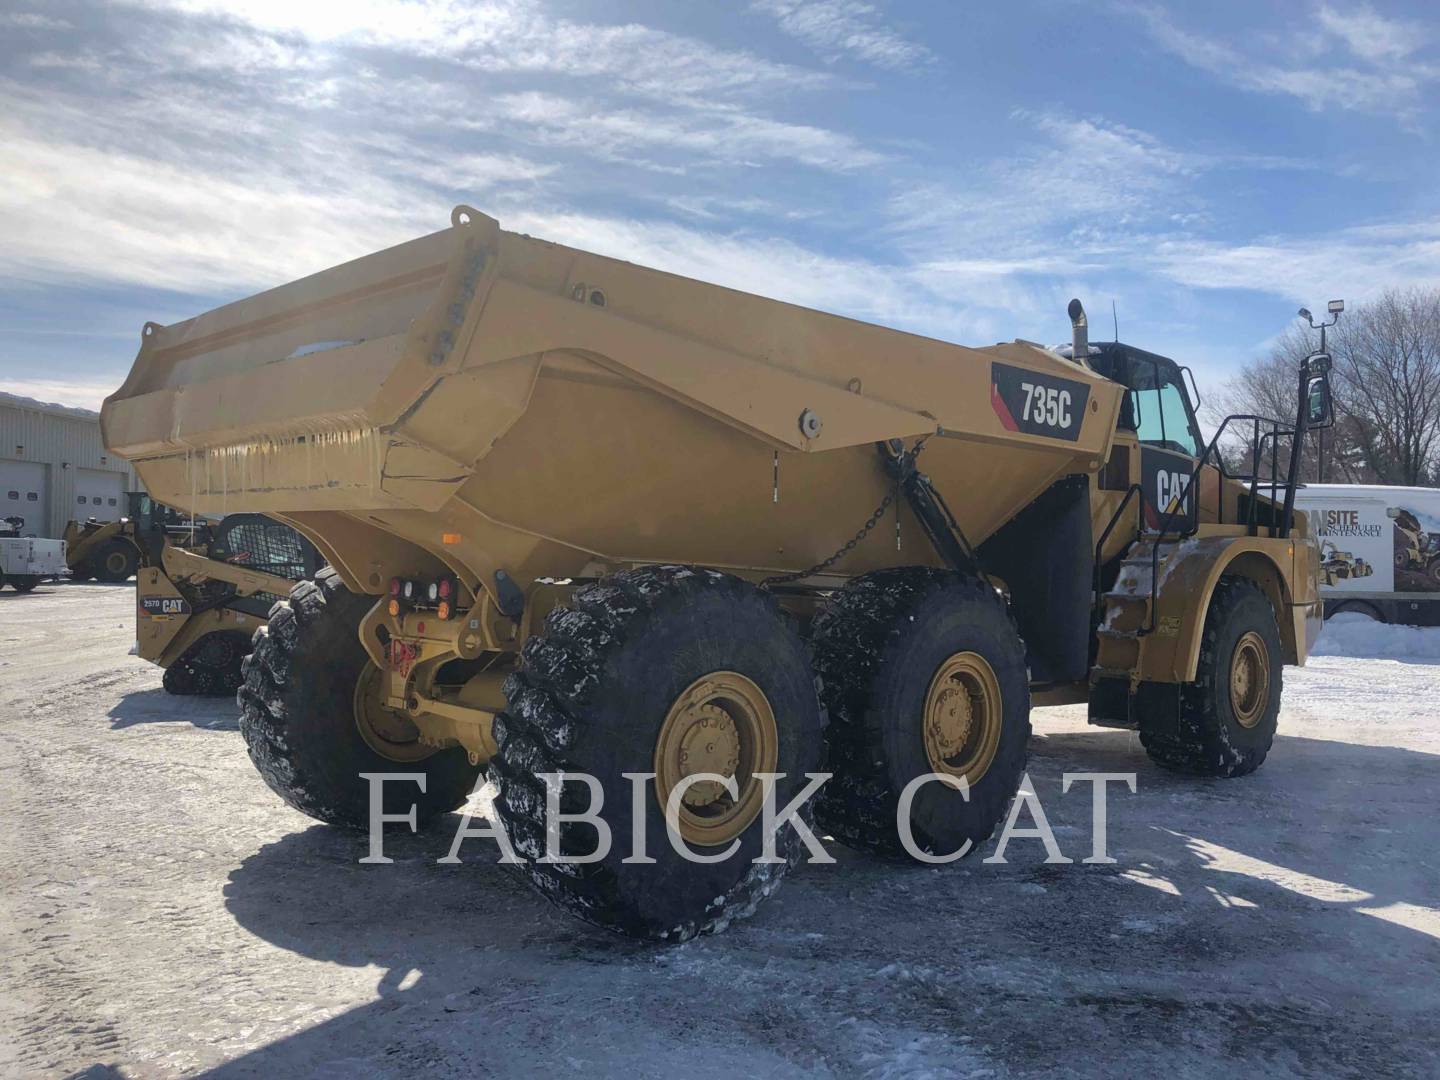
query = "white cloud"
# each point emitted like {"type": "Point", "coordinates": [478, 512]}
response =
{"type": "Point", "coordinates": [836, 28]}
{"type": "Point", "coordinates": [723, 134]}
{"type": "Point", "coordinates": [32, 20]}
{"type": "Point", "coordinates": [78, 213]}
{"type": "Point", "coordinates": [1356, 263]}
{"type": "Point", "coordinates": [499, 36]}
{"type": "Point", "coordinates": [76, 393]}
{"type": "Point", "coordinates": [1370, 35]}
{"type": "Point", "coordinates": [1374, 83]}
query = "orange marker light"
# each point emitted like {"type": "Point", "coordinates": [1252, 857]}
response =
{"type": "Point", "coordinates": [449, 538]}
{"type": "Point", "coordinates": [444, 610]}
{"type": "Point", "coordinates": [394, 609]}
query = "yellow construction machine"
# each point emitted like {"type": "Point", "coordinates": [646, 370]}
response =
{"type": "Point", "coordinates": [199, 603]}
{"type": "Point", "coordinates": [110, 550]}
{"type": "Point", "coordinates": [583, 516]}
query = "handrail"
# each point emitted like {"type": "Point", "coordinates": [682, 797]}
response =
{"type": "Point", "coordinates": [1194, 524]}
{"type": "Point", "coordinates": [1133, 489]}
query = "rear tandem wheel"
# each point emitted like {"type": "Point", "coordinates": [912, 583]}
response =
{"type": "Point", "coordinates": [923, 671]}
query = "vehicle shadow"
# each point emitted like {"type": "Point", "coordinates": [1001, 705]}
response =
{"type": "Point", "coordinates": [158, 707]}
{"type": "Point", "coordinates": [1279, 919]}
{"type": "Point", "coordinates": [9, 594]}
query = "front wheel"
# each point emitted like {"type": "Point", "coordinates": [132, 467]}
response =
{"type": "Point", "coordinates": [23, 583]}
{"type": "Point", "coordinates": [115, 561]}
{"type": "Point", "coordinates": [310, 729]}
{"type": "Point", "coordinates": [1227, 717]}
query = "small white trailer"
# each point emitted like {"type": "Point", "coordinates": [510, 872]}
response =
{"type": "Point", "coordinates": [25, 561]}
{"type": "Point", "coordinates": [1380, 549]}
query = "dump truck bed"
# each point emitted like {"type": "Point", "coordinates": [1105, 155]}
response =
{"type": "Point", "coordinates": [481, 400]}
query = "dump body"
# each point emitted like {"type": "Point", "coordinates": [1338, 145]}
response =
{"type": "Point", "coordinates": [479, 401]}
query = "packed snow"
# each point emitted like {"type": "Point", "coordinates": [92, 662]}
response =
{"type": "Point", "coordinates": [163, 914]}
{"type": "Point", "coordinates": [1353, 634]}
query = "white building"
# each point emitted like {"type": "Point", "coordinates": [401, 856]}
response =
{"type": "Point", "coordinates": [54, 467]}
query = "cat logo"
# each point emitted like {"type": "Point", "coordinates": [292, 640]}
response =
{"type": "Point", "coordinates": [1169, 488]}
{"type": "Point", "coordinates": [164, 606]}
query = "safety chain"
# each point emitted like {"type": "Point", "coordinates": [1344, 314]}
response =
{"type": "Point", "coordinates": [902, 462]}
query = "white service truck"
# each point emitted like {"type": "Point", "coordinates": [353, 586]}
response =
{"type": "Point", "coordinates": [25, 561]}
{"type": "Point", "coordinates": [1379, 549]}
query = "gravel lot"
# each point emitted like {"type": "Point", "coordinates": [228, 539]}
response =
{"type": "Point", "coordinates": [162, 914]}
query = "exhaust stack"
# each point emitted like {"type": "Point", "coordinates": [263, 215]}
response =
{"type": "Point", "coordinates": [1079, 332]}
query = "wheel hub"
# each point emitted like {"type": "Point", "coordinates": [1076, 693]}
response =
{"type": "Point", "coordinates": [1249, 679]}
{"type": "Point", "coordinates": [710, 744]}
{"type": "Point", "coordinates": [951, 720]}
{"type": "Point", "coordinates": [721, 724]}
{"type": "Point", "coordinates": [389, 733]}
{"type": "Point", "coordinates": [963, 717]}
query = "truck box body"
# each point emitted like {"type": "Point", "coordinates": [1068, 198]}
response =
{"type": "Point", "coordinates": [1380, 549]}
{"type": "Point", "coordinates": [498, 402]}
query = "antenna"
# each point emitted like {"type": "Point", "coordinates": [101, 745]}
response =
{"type": "Point", "coordinates": [1114, 315]}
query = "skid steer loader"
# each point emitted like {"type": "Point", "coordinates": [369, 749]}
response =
{"type": "Point", "coordinates": [200, 596]}
{"type": "Point", "coordinates": [587, 517]}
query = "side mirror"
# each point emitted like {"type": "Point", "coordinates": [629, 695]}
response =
{"type": "Point", "coordinates": [1319, 407]}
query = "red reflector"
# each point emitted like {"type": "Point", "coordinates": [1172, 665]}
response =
{"type": "Point", "coordinates": [420, 628]}
{"type": "Point", "coordinates": [394, 586]}
{"type": "Point", "coordinates": [447, 586]}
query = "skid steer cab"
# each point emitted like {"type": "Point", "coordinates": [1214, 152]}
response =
{"type": "Point", "coordinates": [198, 606]}
{"type": "Point", "coordinates": [669, 539]}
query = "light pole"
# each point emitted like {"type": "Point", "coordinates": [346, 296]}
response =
{"type": "Point", "coordinates": [1335, 307]}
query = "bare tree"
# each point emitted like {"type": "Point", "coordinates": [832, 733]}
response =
{"type": "Point", "coordinates": [1387, 364]}
{"type": "Point", "coordinates": [1386, 379]}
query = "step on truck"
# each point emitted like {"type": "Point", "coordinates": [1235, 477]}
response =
{"type": "Point", "coordinates": [585, 516]}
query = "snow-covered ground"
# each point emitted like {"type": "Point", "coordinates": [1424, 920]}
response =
{"type": "Point", "coordinates": [161, 913]}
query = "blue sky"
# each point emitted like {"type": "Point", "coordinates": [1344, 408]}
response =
{"type": "Point", "coordinates": [956, 169]}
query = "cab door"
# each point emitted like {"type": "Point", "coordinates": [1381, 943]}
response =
{"type": "Point", "coordinates": [1169, 446]}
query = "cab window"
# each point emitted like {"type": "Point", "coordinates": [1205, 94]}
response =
{"type": "Point", "coordinates": [1163, 418]}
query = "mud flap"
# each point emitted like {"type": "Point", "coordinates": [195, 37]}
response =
{"type": "Point", "coordinates": [1112, 705]}
{"type": "Point", "coordinates": [1046, 554]}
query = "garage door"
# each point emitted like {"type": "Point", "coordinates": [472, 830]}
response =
{"type": "Point", "coordinates": [24, 493]}
{"type": "Point", "coordinates": [98, 495]}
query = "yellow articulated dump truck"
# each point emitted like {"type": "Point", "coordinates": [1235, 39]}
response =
{"type": "Point", "coordinates": [587, 517]}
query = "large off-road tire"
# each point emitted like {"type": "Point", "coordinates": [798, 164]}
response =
{"type": "Point", "coordinates": [210, 667]}
{"type": "Point", "coordinates": [922, 672]}
{"type": "Point", "coordinates": [1227, 716]}
{"type": "Point", "coordinates": [115, 561]}
{"type": "Point", "coordinates": [23, 583]}
{"type": "Point", "coordinates": [629, 678]}
{"type": "Point", "coordinates": [298, 715]}
{"type": "Point", "coordinates": [1433, 570]}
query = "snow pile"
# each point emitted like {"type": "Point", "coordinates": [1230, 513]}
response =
{"type": "Point", "coordinates": [1352, 634]}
